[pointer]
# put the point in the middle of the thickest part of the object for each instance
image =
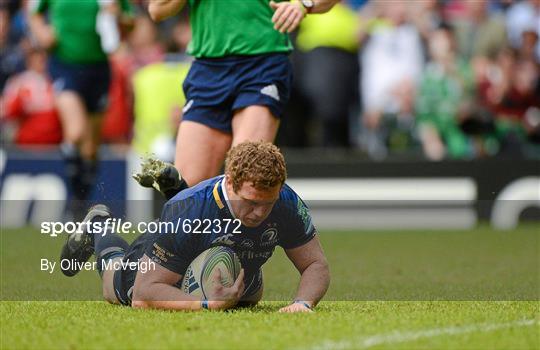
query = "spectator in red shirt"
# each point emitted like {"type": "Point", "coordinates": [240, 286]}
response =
{"type": "Point", "coordinates": [117, 123]}
{"type": "Point", "coordinates": [28, 100]}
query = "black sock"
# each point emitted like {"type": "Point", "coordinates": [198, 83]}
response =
{"type": "Point", "coordinates": [81, 175]}
{"type": "Point", "coordinates": [73, 162]}
{"type": "Point", "coordinates": [88, 175]}
{"type": "Point", "coordinates": [174, 191]}
{"type": "Point", "coordinates": [108, 245]}
{"type": "Point", "coordinates": [73, 166]}
{"type": "Point", "coordinates": [76, 169]}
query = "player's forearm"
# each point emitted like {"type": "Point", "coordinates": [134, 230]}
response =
{"type": "Point", "coordinates": [165, 297]}
{"type": "Point", "coordinates": [314, 283]}
{"type": "Point", "coordinates": [162, 9]}
{"type": "Point", "coordinates": [322, 6]}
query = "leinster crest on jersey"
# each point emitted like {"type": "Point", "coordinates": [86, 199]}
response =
{"type": "Point", "coordinates": [269, 237]}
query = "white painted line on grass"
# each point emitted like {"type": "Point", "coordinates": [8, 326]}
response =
{"type": "Point", "coordinates": [402, 337]}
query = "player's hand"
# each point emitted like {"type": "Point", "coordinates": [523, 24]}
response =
{"type": "Point", "coordinates": [295, 307]}
{"type": "Point", "coordinates": [221, 297]}
{"type": "Point", "coordinates": [287, 15]}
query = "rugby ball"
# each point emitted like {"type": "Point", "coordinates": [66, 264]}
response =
{"type": "Point", "coordinates": [199, 274]}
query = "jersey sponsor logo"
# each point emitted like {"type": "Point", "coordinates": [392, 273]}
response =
{"type": "Point", "coordinates": [224, 240]}
{"type": "Point", "coordinates": [272, 91]}
{"type": "Point", "coordinates": [269, 237]}
{"type": "Point", "coordinates": [249, 254]}
{"type": "Point", "coordinates": [247, 243]}
{"type": "Point", "coordinates": [160, 254]}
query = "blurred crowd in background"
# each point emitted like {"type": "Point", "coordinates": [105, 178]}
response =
{"type": "Point", "coordinates": [447, 79]}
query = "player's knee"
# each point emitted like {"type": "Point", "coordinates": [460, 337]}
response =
{"type": "Point", "coordinates": [254, 123]}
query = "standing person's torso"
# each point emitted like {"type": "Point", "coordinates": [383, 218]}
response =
{"type": "Point", "coordinates": [74, 23]}
{"type": "Point", "coordinates": [29, 97]}
{"type": "Point", "coordinates": [234, 27]}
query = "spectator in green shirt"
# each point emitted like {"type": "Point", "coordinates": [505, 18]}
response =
{"type": "Point", "coordinates": [446, 91]}
{"type": "Point", "coordinates": [79, 36]}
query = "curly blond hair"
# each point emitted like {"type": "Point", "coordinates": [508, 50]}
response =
{"type": "Point", "coordinates": [258, 162]}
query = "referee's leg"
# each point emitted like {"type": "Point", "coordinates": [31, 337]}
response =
{"type": "Point", "coordinates": [254, 123]}
{"type": "Point", "coordinates": [200, 151]}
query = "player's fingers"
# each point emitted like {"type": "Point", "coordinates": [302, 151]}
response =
{"type": "Point", "coordinates": [240, 279]}
{"type": "Point", "coordinates": [241, 288]}
{"type": "Point", "coordinates": [277, 17]}
{"type": "Point", "coordinates": [292, 21]}
{"type": "Point", "coordinates": [297, 17]}
{"type": "Point", "coordinates": [300, 308]}
{"type": "Point", "coordinates": [216, 278]}
{"type": "Point", "coordinates": [285, 25]}
{"type": "Point", "coordinates": [274, 5]}
{"type": "Point", "coordinates": [278, 10]}
{"type": "Point", "coordinates": [284, 19]}
{"type": "Point", "coordinates": [281, 16]}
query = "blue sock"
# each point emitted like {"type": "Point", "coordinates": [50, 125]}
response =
{"type": "Point", "coordinates": [107, 247]}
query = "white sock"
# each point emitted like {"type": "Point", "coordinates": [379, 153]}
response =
{"type": "Point", "coordinates": [107, 28]}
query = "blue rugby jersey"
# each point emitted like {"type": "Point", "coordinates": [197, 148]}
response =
{"type": "Point", "coordinates": [288, 225]}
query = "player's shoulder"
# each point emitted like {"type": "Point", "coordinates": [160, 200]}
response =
{"type": "Point", "coordinates": [289, 201]}
{"type": "Point", "coordinates": [288, 194]}
{"type": "Point", "coordinates": [293, 212]}
{"type": "Point", "coordinates": [199, 191]}
{"type": "Point", "coordinates": [194, 197]}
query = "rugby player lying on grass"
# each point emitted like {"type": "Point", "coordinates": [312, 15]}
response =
{"type": "Point", "coordinates": [253, 194]}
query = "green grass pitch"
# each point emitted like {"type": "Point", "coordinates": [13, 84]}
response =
{"type": "Point", "coordinates": [407, 290]}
